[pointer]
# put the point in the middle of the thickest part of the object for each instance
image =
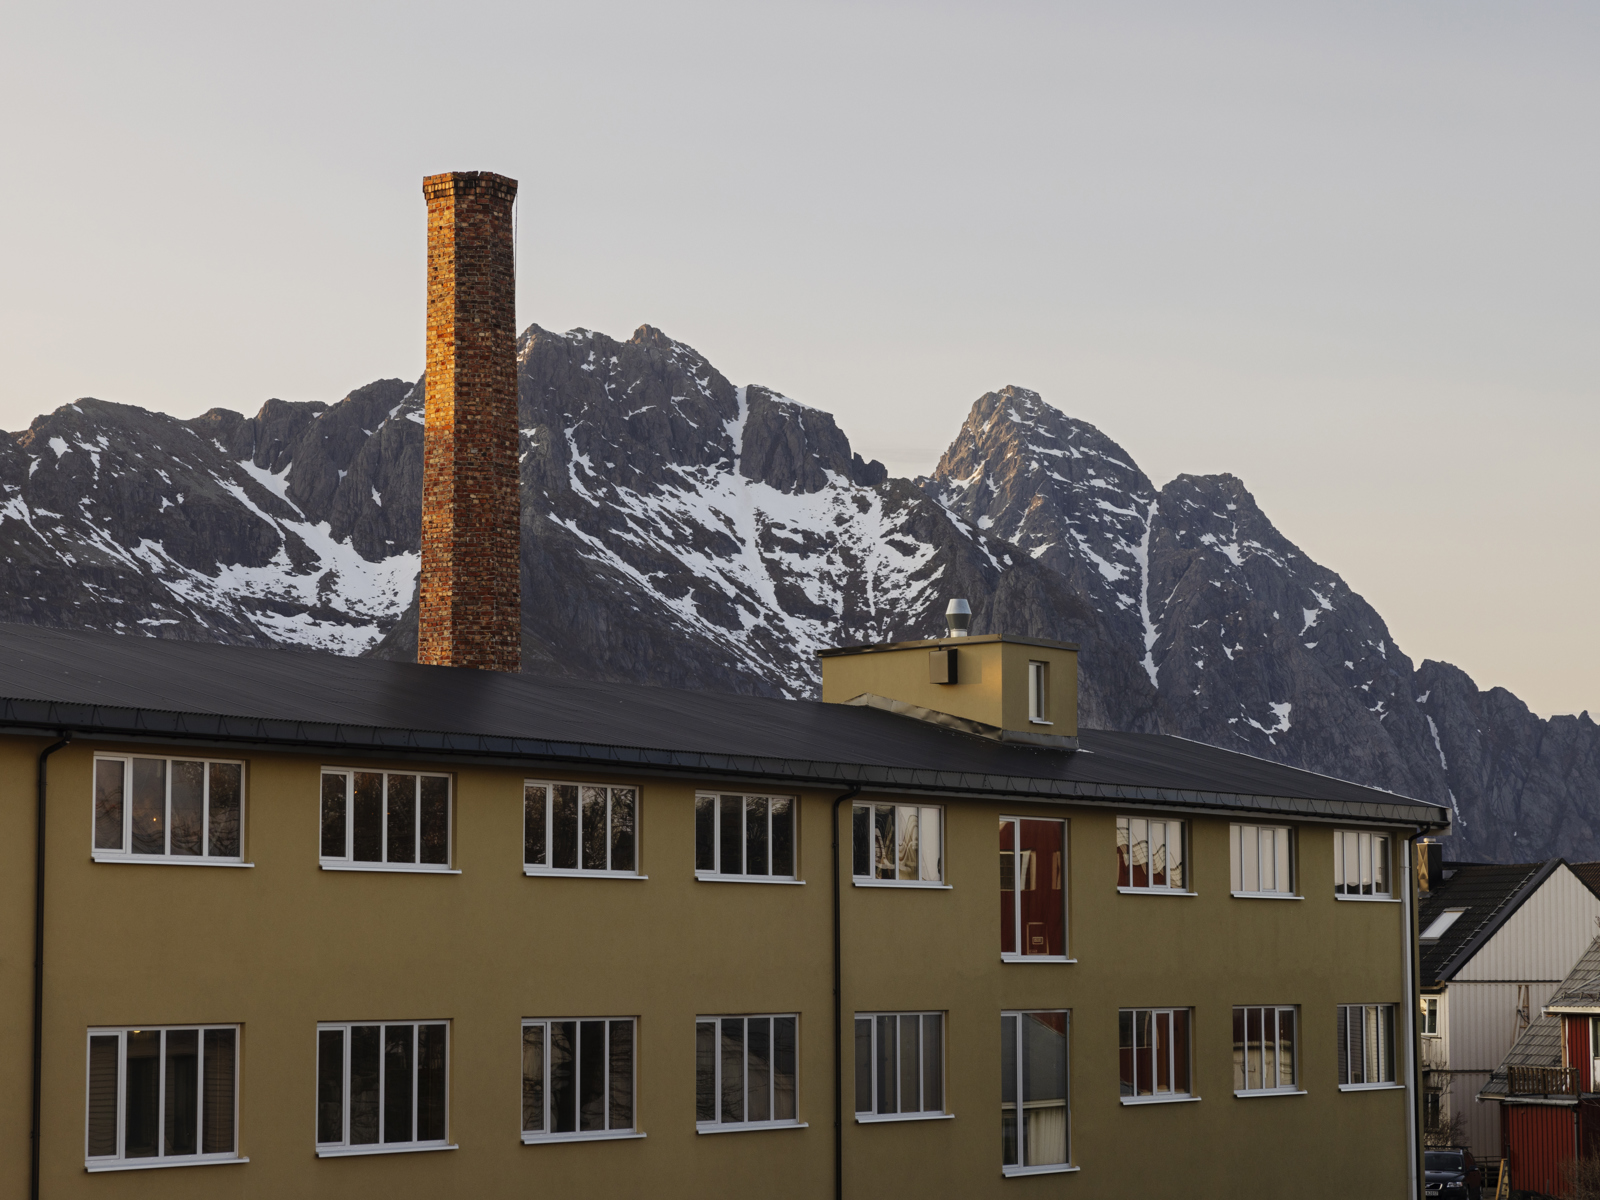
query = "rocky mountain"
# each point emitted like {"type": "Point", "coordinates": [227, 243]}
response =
{"type": "Point", "coordinates": [681, 530]}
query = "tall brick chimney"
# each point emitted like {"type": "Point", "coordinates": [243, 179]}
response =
{"type": "Point", "coordinates": [471, 600]}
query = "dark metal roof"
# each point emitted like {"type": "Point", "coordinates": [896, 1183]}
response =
{"type": "Point", "coordinates": [1581, 988]}
{"type": "Point", "coordinates": [1539, 1045]}
{"type": "Point", "coordinates": [1488, 894]}
{"type": "Point", "coordinates": [110, 685]}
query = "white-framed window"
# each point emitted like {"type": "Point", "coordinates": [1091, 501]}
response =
{"type": "Point", "coordinates": [168, 809]}
{"type": "Point", "coordinates": [162, 1096]}
{"type": "Point", "coordinates": [1440, 925]}
{"type": "Point", "coordinates": [579, 829]}
{"type": "Point", "coordinates": [1150, 855]}
{"type": "Point", "coordinates": [897, 843]}
{"type": "Point", "coordinates": [746, 1072]}
{"type": "Point", "coordinates": [1430, 1016]}
{"type": "Point", "coordinates": [1261, 860]}
{"type": "Point", "coordinates": [899, 1066]}
{"type": "Point", "coordinates": [1265, 1049]}
{"type": "Point", "coordinates": [1360, 864]}
{"type": "Point", "coordinates": [1033, 890]}
{"type": "Point", "coordinates": [1035, 1124]}
{"type": "Point", "coordinates": [1366, 1045]}
{"type": "Point", "coordinates": [382, 1086]}
{"type": "Point", "coordinates": [385, 820]}
{"type": "Point", "coordinates": [1039, 693]}
{"type": "Point", "coordinates": [744, 837]}
{"type": "Point", "coordinates": [1153, 1053]}
{"type": "Point", "coordinates": [578, 1078]}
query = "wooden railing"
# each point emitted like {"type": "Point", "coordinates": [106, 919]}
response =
{"type": "Point", "coordinates": [1542, 1081]}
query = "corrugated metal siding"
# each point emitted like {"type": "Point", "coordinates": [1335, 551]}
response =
{"type": "Point", "coordinates": [1543, 1142]}
{"type": "Point", "coordinates": [1575, 1048]}
{"type": "Point", "coordinates": [1544, 938]}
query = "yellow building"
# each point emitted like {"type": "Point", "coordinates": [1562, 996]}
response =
{"type": "Point", "coordinates": [315, 926]}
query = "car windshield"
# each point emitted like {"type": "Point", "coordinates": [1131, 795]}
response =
{"type": "Point", "coordinates": [1436, 1161]}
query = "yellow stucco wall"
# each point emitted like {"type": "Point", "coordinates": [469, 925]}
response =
{"type": "Point", "coordinates": [281, 946]}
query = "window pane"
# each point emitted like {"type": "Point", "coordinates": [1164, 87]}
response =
{"type": "Point", "coordinates": [431, 1079]}
{"type": "Point", "coordinates": [1281, 862]}
{"type": "Point", "coordinates": [1180, 1050]}
{"type": "Point", "coordinates": [180, 1125]}
{"type": "Point", "coordinates": [1252, 1072]}
{"type": "Point", "coordinates": [883, 841]}
{"type": "Point", "coordinates": [930, 836]}
{"type": "Point", "coordinates": [436, 820]}
{"type": "Point", "coordinates": [367, 817]}
{"type": "Point", "coordinates": [1142, 1052]}
{"type": "Point", "coordinates": [1286, 1047]}
{"type": "Point", "coordinates": [595, 833]}
{"type": "Point", "coordinates": [1008, 1091]}
{"type": "Point", "coordinates": [1139, 851]}
{"type": "Point", "coordinates": [1380, 865]}
{"type": "Point", "coordinates": [1158, 854]}
{"type": "Point", "coordinates": [102, 1090]}
{"type": "Point", "coordinates": [188, 807]}
{"type": "Point", "coordinates": [784, 1068]}
{"type": "Point", "coordinates": [863, 1060]}
{"type": "Point", "coordinates": [783, 836]}
{"type": "Point", "coordinates": [366, 1046]}
{"type": "Point", "coordinates": [732, 840]}
{"type": "Point", "coordinates": [591, 1075]}
{"type": "Point", "coordinates": [1044, 1088]}
{"type": "Point", "coordinates": [1250, 858]}
{"type": "Point", "coordinates": [933, 1062]}
{"type": "Point", "coordinates": [533, 1077]}
{"type": "Point", "coordinates": [1386, 1058]}
{"type": "Point", "coordinates": [108, 805]}
{"type": "Point", "coordinates": [1163, 1049]}
{"type": "Point", "coordinates": [399, 1046]}
{"type": "Point", "coordinates": [227, 788]}
{"type": "Point", "coordinates": [149, 806]}
{"type": "Point", "coordinates": [1175, 854]}
{"type": "Point", "coordinates": [1269, 1048]}
{"type": "Point", "coordinates": [1043, 899]}
{"type": "Point", "coordinates": [533, 831]}
{"type": "Point", "coordinates": [624, 810]}
{"type": "Point", "coordinates": [1125, 1050]}
{"type": "Point", "coordinates": [910, 1063]}
{"type": "Point", "coordinates": [1239, 1077]}
{"type": "Point", "coordinates": [705, 1070]}
{"type": "Point", "coordinates": [401, 805]}
{"type": "Point", "coordinates": [732, 1063]}
{"type": "Point", "coordinates": [330, 1085]}
{"type": "Point", "coordinates": [564, 827]}
{"type": "Point", "coordinates": [141, 1130]}
{"type": "Point", "coordinates": [563, 1077]}
{"type": "Point", "coordinates": [333, 816]}
{"type": "Point", "coordinates": [621, 1074]}
{"type": "Point", "coordinates": [755, 835]}
{"type": "Point", "coordinates": [1008, 887]}
{"type": "Point", "coordinates": [1236, 857]}
{"type": "Point", "coordinates": [1364, 843]}
{"type": "Point", "coordinates": [705, 834]}
{"type": "Point", "coordinates": [759, 1057]}
{"type": "Point", "coordinates": [1370, 1063]}
{"type": "Point", "coordinates": [216, 1132]}
{"type": "Point", "coordinates": [906, 839]}
{"type": "Point", "coordinates": [888, 1074]}
{"type": "Point", "coordinates": [1124, 853]}
{"type": "Point", "coordinates": [860, 841]}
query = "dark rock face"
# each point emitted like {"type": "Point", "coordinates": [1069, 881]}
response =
{"type": "Point", "coordinates": [680, 530]}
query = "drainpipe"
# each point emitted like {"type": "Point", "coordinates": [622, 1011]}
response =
{"type": "Point", "coordinates": [838, 1020]}
{"type": "Point", "coordinates": [38, 965]}
{"type": "Point", "coordinates": [1408, 934]}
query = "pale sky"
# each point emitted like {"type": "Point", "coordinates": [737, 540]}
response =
{"type": "Point", "coordinates": [1348, 252]}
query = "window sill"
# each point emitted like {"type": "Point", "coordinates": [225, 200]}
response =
{"type": "Point", "coordinates": [1051, 1169]}
{"type": "Point", "coordinates": [395, 868]}
{"type": "Point", "coordinates": [1372, 1087]}
{"type": "Point", "coordinates": [380, 1148]}
{"type": "Point", "coordinates": [1270, 1092]}
{"type": "Point", "coordinates": [901, 883]}
{"type": "Point", "coordinates": [712, 878]}
{"type": "Point", "coordinates": [1133, 891]}
{"type": "Point", "coordinates": [1369, 899]}
{"type": "Point", "coordinates": [1265, 896]}
{"type": "Point", "coordinates": [889, 1118]}
{"type": "Point", "coordinates": [1133, 1101]}
{"type": "Point", "coordinates": [545, 1139]}
{"type": "Point", "coordinates": [147, 1164]}
{"type": "Point", "coordinates": [1035, 958]}
{"type": "Point", "coordinates": [751, 1126]}
{"type": "Point", "coordinates": [167, 860]}
{"type": "Point", "coordinates": [557, 873]}
{"type": "Point", "coordinates": [1039, 721]}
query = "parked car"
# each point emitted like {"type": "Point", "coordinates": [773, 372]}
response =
{"type": "Point", "coordinates": [1445, 1173]}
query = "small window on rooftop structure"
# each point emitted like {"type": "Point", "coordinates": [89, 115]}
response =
{"type": "Point", "coordinates": [1039, 693]}
{"type": "Point", "coordinates": [1440, 924]}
